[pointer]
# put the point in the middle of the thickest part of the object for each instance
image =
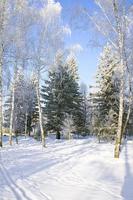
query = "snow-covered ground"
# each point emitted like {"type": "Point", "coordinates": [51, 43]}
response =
{"type": "Point", "coordinates": [66, 170]}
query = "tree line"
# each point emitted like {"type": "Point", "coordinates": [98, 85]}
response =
{"type": "Point", "coordinates": [32, 45]}
{"type": "Point", "coordinates": [39, 85]}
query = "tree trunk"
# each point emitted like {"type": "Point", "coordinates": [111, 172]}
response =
{"type": "Point", "coordinates": [33, 131]}
{"type": "Point", "coordinates": [69, 135]}
{"type": "Point", "coordinates": [58, 136]}
{"type": "Point", "coordinates": [2, 20]}
{"type": "Point", "coordinates": [40, 114]}
{"type": "Point", "coordinates": [29, 128]}
{"type": "Point", "coordinates": [121, 36]}
{"type": "Point", "coordinates": [26, 125]}
{"type": "Point", "coordinates": [1, 113]}
{"type": "Point", "coordinates": [127, 118]}
{"type": "Point", "coordinates": [29, 133]}
{"type": "Point", "coordinates": [121, 108]}
{"type": "Point", "coordinates": [11, 118]}
{"type": "Point", "coordinates": [16, 136]}
{"type": "Point", "coordinates": [130, 95]}
{"type": "Point", "coordinates": [12, 105]}
{"type": "Point", "coordinates": [119, 130]}
{"type": "Point", "coordinates": [121, 111]}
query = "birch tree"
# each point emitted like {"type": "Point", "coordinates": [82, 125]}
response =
{"type": "Point", "coordinates": [22, 13]}
{"type": "Point", "coordinates": [4, 17]}
{"type": "Point", "coordinates": [112, 21]}
{"type": "Point", "coordinates": [49, 41]}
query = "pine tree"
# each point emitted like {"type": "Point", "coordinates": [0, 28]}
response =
{"type": "Point", "coordinates": [61, 96]}
{"type": "Point", "coordinates": [54, 100]}
{"type": "Point", "coordinates": [105, 100]}
{"type": "Point", "coordinates": [33, 119]}
{"type": "Point", "coordinates": [31, 107]}
{"type": "Point", "coordinates": [77, 108]}
{"type": "Point", "coordinates": [84, 116]}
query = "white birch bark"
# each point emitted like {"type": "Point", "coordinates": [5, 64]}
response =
{"type": "Point", "coordinates": [120, 32]}
{"type": "Point", "coordinates": [120, 120]}
{"type": "Point", "coordinates": [118, 27]}
{"type": "Point", "coordinates": [40, 110]}
{"type": "Point", "coordinates": [12, 106]}
{"type": "Point", "coordinates": [2, 19]}
{"type": "Point", "coordinates": [11, 116]}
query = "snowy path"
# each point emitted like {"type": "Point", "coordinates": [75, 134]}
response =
{"type": "Point", "coordinates": [65, 170]}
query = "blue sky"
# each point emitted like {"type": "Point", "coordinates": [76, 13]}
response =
{"type": "Point", "coordinates": [88, 58]}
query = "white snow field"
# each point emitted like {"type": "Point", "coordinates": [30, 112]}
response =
{"type": "Point", "coordinates": [78, 169]}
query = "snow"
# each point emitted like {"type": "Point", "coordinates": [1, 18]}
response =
{"type": "Point", "coordinates": [78, 169]}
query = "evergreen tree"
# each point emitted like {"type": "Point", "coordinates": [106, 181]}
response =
{"type": "Point", "coordinates": [105, 100]}
{"type": "Point", "coordinates": [25, 114]}
{"type": "Point", "coordinates": [84, 116]}
{"type": "Point", "coordinates": [77, 108]}
{"type": "Point", "coordinates": [19, 112]}
{"type": "Point", "coordinates": [31, 107]}
{"type": "Point", "coordinates": [61, 96]}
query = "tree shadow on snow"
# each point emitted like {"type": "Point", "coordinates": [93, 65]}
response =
{"type": "Point", "coordinates": [127, 189]}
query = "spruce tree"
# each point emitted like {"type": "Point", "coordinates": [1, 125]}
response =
{"type": "Point", "coordinates": [106, 99]}
{"type": "Point", "coordinates": [54, 100]}
{"type": "Point", "coordinates": [77, 110]}
{"type": "Point", "coordinates": [84, 110]}
{"type": "Point", "coordinates": [61, 96]}
{"type": "Point", "coordinates": [32, 108]}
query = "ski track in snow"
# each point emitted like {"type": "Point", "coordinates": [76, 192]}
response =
{"type": "Point", "coordinates": [66, 170]}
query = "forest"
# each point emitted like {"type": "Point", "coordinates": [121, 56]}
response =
{"type": "Point", "coordinates": [44, 103]}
